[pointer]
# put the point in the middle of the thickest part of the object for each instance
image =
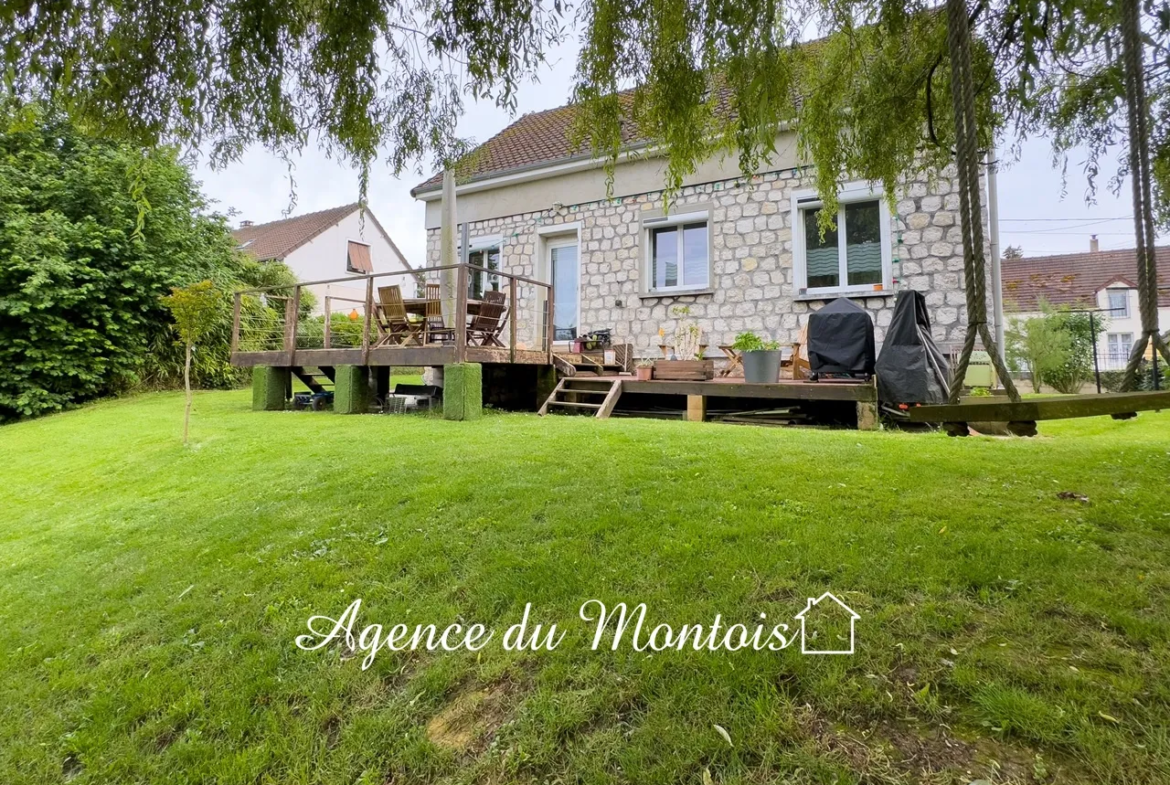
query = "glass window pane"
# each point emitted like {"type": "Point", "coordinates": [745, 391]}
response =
{"type": "Point", "coordinates": [863, 243]}
{"type": "Point", "coordinates": [822, 260]}
{"type": "Point", "coordinates": [664, 257]}
{"type": "Point", "coordinates": [695, 255]}
{"type": "Point", "coordinates": [564, 283]}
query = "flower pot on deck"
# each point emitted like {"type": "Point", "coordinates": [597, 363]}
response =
{"type": "Point", "coordinates": [684, 370]}
{"type": "Point", "coordinates": [644, 373]}
{"type": "Point", "coordinates": [761, 366]}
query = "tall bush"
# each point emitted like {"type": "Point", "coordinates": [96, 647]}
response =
{"type": "Point", "coordinates": [92, 234]}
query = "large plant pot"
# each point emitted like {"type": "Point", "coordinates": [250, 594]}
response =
{"type": "Point", "coordinates": [644, 373]}
{"type": "Point", "coordinates": [684, 370]}
{"type": "Point", "coordinates": [761, 367]}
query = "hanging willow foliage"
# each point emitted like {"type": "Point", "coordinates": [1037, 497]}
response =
{"type": "Point", "coordinates": [364, 78]}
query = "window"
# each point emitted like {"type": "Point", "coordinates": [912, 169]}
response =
{"type": "Point", "coordinates": [679, 259]}
{"type": "Point", "coordinates": [852, 256]}
{"type": "Point", "coordinates": [1118, 303]}
{"type": "Point", "coordinates": [357, 258]}
{"type": "Point", "coordinates": [1119, 346]}
{"type": "Point", "coordinates": [478, 281]}
{"type": "Point", "coordinates": [562, 258]}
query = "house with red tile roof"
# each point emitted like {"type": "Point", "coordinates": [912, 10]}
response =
{"type": "Point", "coordinates": [326, 244]}
{"type": "Point", "coordinates": [1102, 281]}
{"type": "Point", "coordinates": [737, 253]}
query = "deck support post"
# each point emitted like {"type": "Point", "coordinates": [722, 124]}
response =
{"type": "Point", "coordinates": [867, 416]}
{"type": "Point", "coordinates": [351, 389]}
{"type": "Point", "coordinates": [462, 391]}
{"type": "Point", "coordinates": [269, 387]}
{"type": "Point", "coordinates": [696, 408]}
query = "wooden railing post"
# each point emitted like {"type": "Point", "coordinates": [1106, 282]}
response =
{"type": "Point", "coordinates": [460, 316]}
{"type": "Point", "coordinates": [292, 312]}
{"type": "Point", "coordinates": [512, 303]}
{"type": "Point", "coordinates": [552, 331]}
{"type": "Point", "coordinates": [236, 322]}
{"type": "Point", "coordinates": [369, 318]}
{"type": "Point", "coordinates": [327, 340]}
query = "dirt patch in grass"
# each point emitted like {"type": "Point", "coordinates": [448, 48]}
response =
{"type": "Point", "coordinates": [468, 723]}
{"type": "Point", "coordinates": [893, 752]}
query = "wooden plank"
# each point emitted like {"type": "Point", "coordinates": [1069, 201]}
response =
{"type": "Point", "coordinates": [552, 331]}
{"type": "Point", "coordinates": [572, 405]}
{"type": "Point", "coordinates": [1066, 406]}
{"type": "Point", "coordinates": [292, 312]}
{"type": "Point", "coordinates": [236, 323]}
{"type": "Point", "coordinates": [512, 310]}
{"type": "Point", "coordinates": [696, 408]}
{"type": "Point", "coordinates": [387, 355]}
{"type": "Point", "coordinates": [611, 399]}
{"type": "Point", "coordinates": [552, 397]}
{"type": "Point", "coordinates": [366, 325]}
{"type": "Point", "coordinates": [795, 391]}
{"type": "Point", "coordinates": [328, 319]}
{"type": "Point", "coordinates": [459, 318]}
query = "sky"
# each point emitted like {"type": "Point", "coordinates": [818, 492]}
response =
{"type": "Point", "coordinates": [1040, 211]}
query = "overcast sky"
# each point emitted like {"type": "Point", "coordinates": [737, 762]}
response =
{"type": "Point", "coordinates": [1038, 211]}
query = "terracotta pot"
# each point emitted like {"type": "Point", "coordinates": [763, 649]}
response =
{"type": "Point", "coordinates": [644, 374]}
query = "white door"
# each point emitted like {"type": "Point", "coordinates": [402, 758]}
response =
{"type": "Point", "coordinates": [564, 275]}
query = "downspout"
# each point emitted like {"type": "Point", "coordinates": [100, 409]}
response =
{"type": "Point", "coordinates": [996, 272]}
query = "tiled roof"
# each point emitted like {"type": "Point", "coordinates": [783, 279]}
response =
{"type": "Point", "coordinates": [535, 139]}
{"type": "Point", "coordinates": [1074, 279]}
{"type": "Point", "coordinates": [278, 239]}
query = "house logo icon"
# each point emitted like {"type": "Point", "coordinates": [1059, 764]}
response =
{"type": "Point", "coordinates": [820, 607]}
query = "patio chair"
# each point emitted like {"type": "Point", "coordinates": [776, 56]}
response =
{"type": "Point", "coordinates": [435, 328]}
{"type": "Point", "coordinates": [395, 326]}
{"type": "Point", "coordinates": [486, 325]}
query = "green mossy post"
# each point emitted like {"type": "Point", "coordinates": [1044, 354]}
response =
{"type": "Point", "coordinates": [351, 390]}
{"type": "Point", "coordinates": [269, 388]}
{"type": "Point", "coordinates": [462, 391]}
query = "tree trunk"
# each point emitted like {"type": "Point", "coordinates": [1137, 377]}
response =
{"type": "Point", "coordinates": [187, 385]}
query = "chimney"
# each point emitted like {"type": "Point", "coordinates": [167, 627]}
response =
{"type": "Point", "coordinates": [246, 224]}
{"type": "Point", "coordinates": [1094, 246]}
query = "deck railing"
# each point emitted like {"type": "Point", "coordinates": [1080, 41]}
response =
{"type": "Point", "coordinates": [343, 313]}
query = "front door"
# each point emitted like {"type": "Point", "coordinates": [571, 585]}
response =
{"type": "Point", "coordinates": [563, 270]}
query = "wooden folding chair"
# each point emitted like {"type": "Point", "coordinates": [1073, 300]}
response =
{"type": "Point", "coordinates": [486, 326]}
{"type": "Point", "coordinates": [394, 324]}
{"type": "Point", "coordinates": [434, 326]}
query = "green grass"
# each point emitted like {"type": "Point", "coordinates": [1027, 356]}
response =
{"type": "Point", "coordinates": [150, 595]}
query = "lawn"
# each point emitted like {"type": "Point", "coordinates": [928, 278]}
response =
{"type": "Point", "coordinates": [151, 595]}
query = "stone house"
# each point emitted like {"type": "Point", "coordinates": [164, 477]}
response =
{"type": "Point", "coordinates": [1101, 281]}
{"type": "Point", "coordinates": [738, 253]}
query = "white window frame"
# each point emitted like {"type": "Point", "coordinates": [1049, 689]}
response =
{"type": "Point", "coordinates": [1114, 348]}
{"type": "Point", "coordinates": [649, 225]}
{"type": "Point", "coordinates": [850, 193]}
{"type": "Point", "coordinates": [1124, 310]}
{"type": "Point", "coordinates": [485, 242]}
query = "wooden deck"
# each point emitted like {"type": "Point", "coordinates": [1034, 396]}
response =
{"type": "Point", "coordinates": [737, 388]}
{"type": "Point", "coordinates": [403, 356]}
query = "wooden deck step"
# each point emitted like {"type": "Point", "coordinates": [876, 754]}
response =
{"type": "Point", "coordinates": [318, 380]}
{"type": "Point", "coordinates": [571, 386]}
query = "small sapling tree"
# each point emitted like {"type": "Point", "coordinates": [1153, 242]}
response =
{"type": "Point", "coordinates": [196, 311]}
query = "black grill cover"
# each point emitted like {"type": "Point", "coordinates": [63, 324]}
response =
{"type": "Point", "coordinates": [840, 339]}
{"type": "Point", "coordinates": [911, 368]}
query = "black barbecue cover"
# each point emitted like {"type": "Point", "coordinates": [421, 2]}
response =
{"type": "Point", "coordinates": [911, 368]}
{"type": "Point", "coordinates": [840, 339]}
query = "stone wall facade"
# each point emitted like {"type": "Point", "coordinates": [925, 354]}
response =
{"type": "Point", "coordinates": [751, 242]}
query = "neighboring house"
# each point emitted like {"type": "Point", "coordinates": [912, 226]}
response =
{"type": "Point", "coordinates": [739, 253]}
{"type": "Point", "coordinates": [328, 244]}
{"type": "Point", "coordinates": [1099, 280]}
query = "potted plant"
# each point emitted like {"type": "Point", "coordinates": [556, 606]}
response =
{"type": "Point", "coordinates": [761, 359]}
{"type": "Point", "coordinates": [686, 362]}
{"type": "Point", "coordinates": [644, 370]}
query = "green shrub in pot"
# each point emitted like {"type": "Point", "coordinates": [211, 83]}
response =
{"type": "Point", "coordinates": [761, 358]}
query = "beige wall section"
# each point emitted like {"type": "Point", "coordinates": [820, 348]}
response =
{"type": "Point", "coordinates": [636, 176]}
